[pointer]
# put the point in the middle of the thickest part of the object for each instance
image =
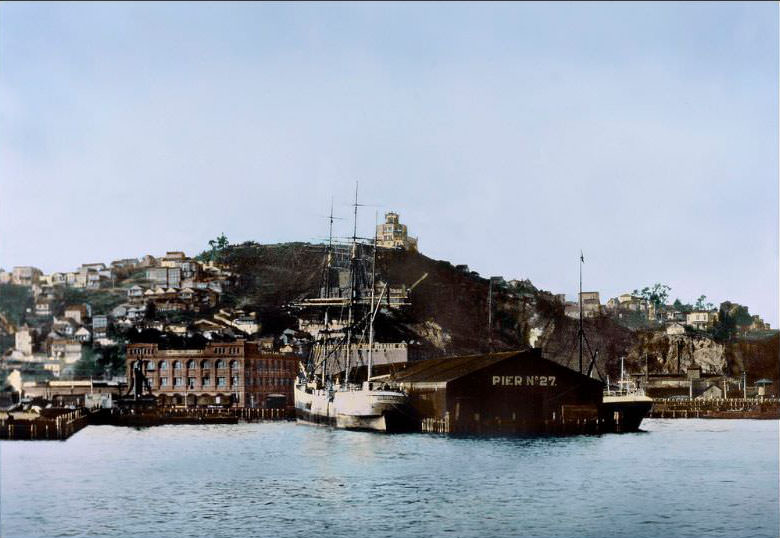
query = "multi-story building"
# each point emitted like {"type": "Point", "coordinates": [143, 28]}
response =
{"type": "Point", "coordinates": [393, 234]}
{"type": "Point", "coordinates": [24, 340]}
{"type": "Point", "coordinates": [169, 277]}
{"type": "Point", "coordinates": [240, 372]}
{"type": "Point", "coordinates": [100, 327]}
{"type": "Point", "coordinates": [25, 275]}
{"type": "Point", "coordinates": [591, 303]}
{"type": "Point", "coordinates": [173, 259]}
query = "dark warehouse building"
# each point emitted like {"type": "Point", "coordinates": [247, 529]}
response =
{"type": "Point", "coordinates": [510, 392]}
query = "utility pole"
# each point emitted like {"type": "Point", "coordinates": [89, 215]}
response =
{"type": "Point", "coordinates": [744, 385]}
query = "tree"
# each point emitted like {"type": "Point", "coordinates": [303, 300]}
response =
{"type": "Point", "coordinates": [218, 246]}
{"type": "Point", "coordinates": [657, 295]}
{"type": "Point", "coordinates": [701, 305]}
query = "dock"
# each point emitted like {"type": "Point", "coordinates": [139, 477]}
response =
{"type": "Point", "coordinates": [61, 423]}
{"type": "Point", "coordinates": [733, 408]}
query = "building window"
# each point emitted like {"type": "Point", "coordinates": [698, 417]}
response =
{"type": "Point", "coordinates": [176, 365]}
{"type": "Point", "coordinates": [177, 382]}
{"type": "Point", "coordinates": [205, 365]}
{"type": "Point", "coordinates": [233, 364]}
{"type": "Point", "coordinates": [205, 382]}
{"type": "Point", "coordinates": [163, 365]}
{"type": "Point", "coordinates": [234, 381]}
{"type": "Point", "coordinates": [191, 364]}
{"type": "Point", "coordinates": [220, 363]}
{"type": "Point", "coordinates": [220, 381]}
{"type": "Point", "coordinates": [150, 366]}
{"type": "Point", "coordinates": [163, 381]}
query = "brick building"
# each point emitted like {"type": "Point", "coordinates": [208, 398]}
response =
{"type": "Point", "coordinates": [222, 372]}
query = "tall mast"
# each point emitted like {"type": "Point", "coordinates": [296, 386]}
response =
{"type": "Point", "coordinates": [353, 275]}
{"type": "Point", "coordinates": [371, 327]}
{"type": "Point", "coordinates": [581, 333]}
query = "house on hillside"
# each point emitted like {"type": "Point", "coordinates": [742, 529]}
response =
{"type": "Point", "coordinates": [43, 307]}
{"type": "Point", "coordinates": [701, 319]}
{"type": "Point", "coordinates": [675, 328]}
{"type": "Point", "coordinates": [83, 335]}
{"type": "Point", "coordinates": [77, 312]}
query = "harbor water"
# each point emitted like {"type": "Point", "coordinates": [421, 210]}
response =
{"type": "Point", "coordinates": [694, 478]}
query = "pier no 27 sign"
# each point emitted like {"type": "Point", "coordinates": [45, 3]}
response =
{"type": "Point", "coordinates": [524, 380]}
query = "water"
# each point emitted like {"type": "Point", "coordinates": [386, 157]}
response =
{"type": "Point", "coordinates": [678, 478]}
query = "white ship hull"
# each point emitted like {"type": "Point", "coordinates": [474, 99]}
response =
{"type": "Point", "coordinates": [358, 409]}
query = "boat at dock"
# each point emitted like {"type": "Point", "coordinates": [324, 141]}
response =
{"type": "Point", "coordinates": [625, 406]}
{"type": "Point", "coordinates": [323, 393]}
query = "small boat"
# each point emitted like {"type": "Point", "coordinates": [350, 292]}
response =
{"type": "Point", "coordinates": [624, 407]}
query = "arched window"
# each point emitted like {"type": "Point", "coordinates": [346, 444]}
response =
{"type": "Point", "coordinates": [163, 365]}
{"type": "Point", "coordinates": [190, 363]}
{"type": "Point", "coordinates": [220, 363]}
{"type": "Point", "coordinates": [150, 366]}
{"type": "Point", "coordinates": [233, 364]}
{"type": "Point", "coordinates": [177, 365]}
{"type": "Point", "coordinates": [205, 365]}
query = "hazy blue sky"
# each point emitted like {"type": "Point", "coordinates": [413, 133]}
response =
{"type": "Point", "coordinates": [508, 136]}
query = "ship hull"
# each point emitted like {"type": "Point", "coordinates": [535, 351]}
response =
{"type": "Point", "coordinates": [624, 414]}
{"type": "Point", "coordinates": [371, 410]}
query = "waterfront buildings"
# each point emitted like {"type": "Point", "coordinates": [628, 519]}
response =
{"type": "Point", "coordinates": [240, 372]}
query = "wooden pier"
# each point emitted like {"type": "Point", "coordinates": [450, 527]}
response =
{"type": "Point", "coordinates": [49, 425]}
{"type": "Point", "coordinates": [753, 408]}
{"type": "Point", "coordinates": [60, 424]}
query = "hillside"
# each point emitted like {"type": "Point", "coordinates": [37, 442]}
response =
{"type": "Point", "coordinates": [449, 314]}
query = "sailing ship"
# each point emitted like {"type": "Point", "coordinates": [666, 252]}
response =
{"type": "Point", "coordinates": [323, 392]}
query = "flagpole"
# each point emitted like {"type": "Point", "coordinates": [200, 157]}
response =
{"type": "Point", "coordinates": [582, 260]}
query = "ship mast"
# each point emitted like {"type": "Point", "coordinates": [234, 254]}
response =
{"type": "Point", "coordinates": [371, 327]}
{"type": "Point", "coordinates": [353, 276]}
{"type": "Point", "coordinates": [327, 294]}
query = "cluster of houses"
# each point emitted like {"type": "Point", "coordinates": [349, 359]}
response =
{"type": "Point", "coordinates": [674, 320]}
{"type": "Point", "coordinates": [52, 348]}
{"type": "Point", "coordinates": [52, 339]}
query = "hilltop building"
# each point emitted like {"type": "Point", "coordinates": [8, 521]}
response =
{"type": "Point", "coordinates": [393, 234]}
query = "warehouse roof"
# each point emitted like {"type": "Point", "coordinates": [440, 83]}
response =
{"type": "Point", "coordinates": [449, 368]}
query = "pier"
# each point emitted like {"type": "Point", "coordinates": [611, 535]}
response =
{"type": "Point", "coordinates": [755, 408]}
{"type": "Point", "coordinates": [49, 425]}
{"type": "Point", "coordinates": [60, 424]}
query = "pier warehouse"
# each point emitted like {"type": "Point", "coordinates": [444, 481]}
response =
{"type": "Point", "coordinates": [238, 372]}
{"type": "Point", "coordinates": [510, 392]}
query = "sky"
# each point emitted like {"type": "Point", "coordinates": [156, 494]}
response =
{"type": "Point", "coordinates": [508, 136]}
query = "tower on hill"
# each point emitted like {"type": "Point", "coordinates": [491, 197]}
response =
{"type": "Point", "coordinates": [393, 234]}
